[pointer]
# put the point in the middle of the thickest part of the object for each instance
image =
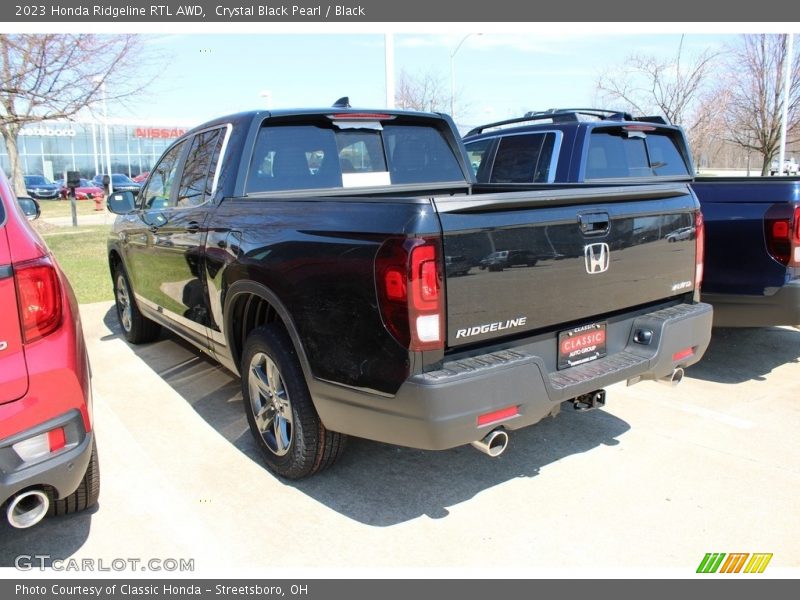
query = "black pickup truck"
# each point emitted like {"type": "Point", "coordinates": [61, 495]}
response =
{"type": "Point", "coordinates": [752, 224]}
{"type": "Point", "coordinates": [306, 250]}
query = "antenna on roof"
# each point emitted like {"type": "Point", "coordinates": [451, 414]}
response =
{"type": "Point", "coordinates": [343, 102]}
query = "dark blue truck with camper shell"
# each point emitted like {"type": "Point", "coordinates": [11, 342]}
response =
{"type": "Point", "coordinates": [752, 225]}
{"type": "Point", "coordinates": [307, 251]}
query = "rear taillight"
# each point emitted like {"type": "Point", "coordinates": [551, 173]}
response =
{"type": "Point", "coordinates": [700, 248]}
{"type": "Point", "coordinates": [408, 275]}
{"type": "Point", "coordinates": [782, 234]}
{"type": "Point", "coordinates": [38, 298]}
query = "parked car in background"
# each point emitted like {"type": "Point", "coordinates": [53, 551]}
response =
{"type": "Point", "coordinates": [456, 265]}
{"type": "Point", "coordinates": [48, 460]}
{"type": "Point", "coordinates": [119, 182]}
{"type": "Point", "coordinates": [790, 167]}
{"type": "Point", "coordinates": [38, 186]}
{"type": "Point", "coordinates": [682, 233]}
{"type": "Point", "coordinates": [505, 259]}
{"type": "Point", "coordinates": [85, 191]}
{"type": "Point", "coordinates": [141, 177]}
{"type": "Point", "coordinates": [751, 232]}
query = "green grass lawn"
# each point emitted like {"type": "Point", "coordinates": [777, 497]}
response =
{"type": "Point", "coordinates": [81, 252]}
{"type": "Point", "coordinates": [61, 208]}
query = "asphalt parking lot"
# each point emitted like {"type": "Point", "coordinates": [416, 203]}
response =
{"type": "Point", "coordinates": [654, 481]}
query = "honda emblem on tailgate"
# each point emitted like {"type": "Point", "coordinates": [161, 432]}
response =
{"type": "Point", "coordinates": [597, 258]}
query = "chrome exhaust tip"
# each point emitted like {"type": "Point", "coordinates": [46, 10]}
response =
{"type": "Point", "coordinates": [27, 509]}
{"type": "Point", "coordinates": [494, 444]}
{"type": "Point", "coordinates": [674, 378]}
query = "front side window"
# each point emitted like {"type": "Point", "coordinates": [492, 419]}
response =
{"type": "Point", "coordinates": [476, 152]}
{"type": "Point", "coordinates": [524, 159]}
{"type": "Point", "coordinates": [157, 194]}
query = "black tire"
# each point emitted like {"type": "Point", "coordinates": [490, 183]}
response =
{"type": "Point", "coordinates": [137, 328]}
{"type": "Point", "coordinates": [85, 496]}
{"type": "Point", "coordinates": [281, 414]}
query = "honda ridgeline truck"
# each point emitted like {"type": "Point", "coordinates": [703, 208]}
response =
{"type": "Point", "coordinates": [305, 250]}
{"type": "Point", "coordinates": [752, 224]}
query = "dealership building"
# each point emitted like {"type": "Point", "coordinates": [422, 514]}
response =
{"type": "Point", "coordinates": [50, 148]}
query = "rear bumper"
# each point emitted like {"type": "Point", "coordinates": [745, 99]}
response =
{"type": "Point", "coordinates": [62, 470]}
{"type": "Point", "coordinates": [780, 308]}
{"type": "Point", "coordinates": [440, 409]}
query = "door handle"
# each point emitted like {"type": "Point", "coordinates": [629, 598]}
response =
{"type": "Point", "coordinates": [192, 227]}
{"type": "Point", "coordinates": [594, 223]}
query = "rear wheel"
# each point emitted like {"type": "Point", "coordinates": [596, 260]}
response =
{"type": "Point", "coordinates": [137, 328]}
{"type": "Point", "coordinates": [281, 414]}
{"type": "Point", "coordinates": [85, 496]}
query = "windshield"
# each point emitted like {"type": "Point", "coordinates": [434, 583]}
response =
{"type": "Point", "coordinates": [36, 180]}
{"type": "Point", "coordinates": [118, 179]}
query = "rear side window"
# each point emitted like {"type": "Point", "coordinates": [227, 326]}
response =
{"type": "Point", "coordinates": [523, 159]}
{"type": "Point", "coordinates": [296, 157]}
{"type": "Point", "coordinates": [617, 153]}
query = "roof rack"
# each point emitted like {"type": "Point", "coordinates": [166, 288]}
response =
{"type": "Point", "coordinates": [567, 115]}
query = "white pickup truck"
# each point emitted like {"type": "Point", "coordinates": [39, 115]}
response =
{"type": "Point", "coordinates": [790, 167]}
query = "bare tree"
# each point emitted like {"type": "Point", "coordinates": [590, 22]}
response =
{"type": "Point", "coordinates": [755, 82]}
{"type": "Point", "coordinates": [55, 76]}
{"type": "Point", "coordinates": [676, 87]}
{"type": "Point", "coordinates": [426, 92]}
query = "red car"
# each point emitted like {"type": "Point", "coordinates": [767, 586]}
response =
{"type": "Point", "coordinates": [85, 191]}
{"type": "Point", "coordinates": [48, 461]}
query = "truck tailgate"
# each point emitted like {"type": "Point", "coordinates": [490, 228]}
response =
{"type": "Point", "coordinates": [566, 258]}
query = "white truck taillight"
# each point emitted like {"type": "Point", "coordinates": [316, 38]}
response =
{"type": "Point", "coordinates": [409, 281]}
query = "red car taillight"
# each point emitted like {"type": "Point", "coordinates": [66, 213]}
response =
{"type": "Point", "coordinates": [408, 275]}
{"type": "Point", "coordinates": [38, 298]}
{"type": "Point", "coordinates": [782, 234]}
{"type": "Point", "coordinates": [700, 248]}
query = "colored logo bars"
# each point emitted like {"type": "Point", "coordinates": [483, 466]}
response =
{"type": "Point", "coordinates": [718, 563]}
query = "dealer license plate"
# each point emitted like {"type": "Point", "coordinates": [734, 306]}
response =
{"type": "Point", "coordinates": [581, 345]}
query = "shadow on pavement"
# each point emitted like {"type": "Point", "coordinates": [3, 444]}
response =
{"type": "Point", "coordinates": [55, 538]}
{"type": "Point", "coordinates": [373, 483]}
{"type": "Point", "coordinates": [739, 355]}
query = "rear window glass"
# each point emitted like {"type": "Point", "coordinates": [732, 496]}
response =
{"type": "Point", "coordinates": [295, 157]}
{"type": "Point", "coordinates": [523, 159]}
{"type": "Point", "coordinates": [615, 154]}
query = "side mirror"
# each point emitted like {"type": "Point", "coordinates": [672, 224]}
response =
{"type": "Point", "coordinates": [120, 203]}
{"type": "Point", "coordinates": [30, 207]}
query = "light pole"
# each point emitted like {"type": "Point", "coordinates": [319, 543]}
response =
{"type": "Point", "coordinates": [105, 133]}
{"type": "Point", "coordinates": [388, 50]}
{"type": "Point", "coordinates": [453, 74]}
